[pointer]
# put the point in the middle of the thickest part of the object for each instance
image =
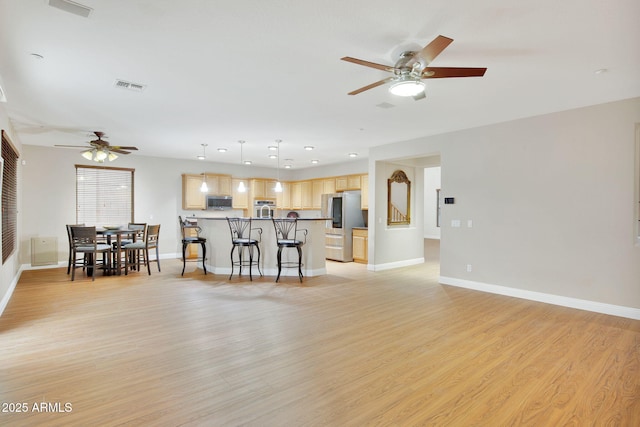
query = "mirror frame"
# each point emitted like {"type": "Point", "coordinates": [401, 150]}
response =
{"type": "Point", "coordinates": [400, 177]}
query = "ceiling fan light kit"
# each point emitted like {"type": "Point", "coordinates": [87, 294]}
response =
{"type": "Point", "coordinates": [407, 87]}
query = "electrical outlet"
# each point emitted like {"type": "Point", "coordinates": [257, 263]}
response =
{"type": "Point", "coordinates": [469, 223]}
{"type": "Point", "coordinates": [455, 223]}
{"type": "Point", "coordinates": [469, 268]}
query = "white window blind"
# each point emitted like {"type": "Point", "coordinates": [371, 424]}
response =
{"type": "Point", "coordinates": [104, 196]}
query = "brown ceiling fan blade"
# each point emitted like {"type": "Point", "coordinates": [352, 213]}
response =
{"type": "Point", "coordinates": [445, 72]}
{"type": "Point", "coordinates": [118, 150]}
{"type": "Point", "coordinates": [371, 86]}
{"type": "Point", "coordinates": [120, 147]}
{"type": "Point", "coordinates": [382, 67]}
{"type": "Point", "coordinates": [430, 51]}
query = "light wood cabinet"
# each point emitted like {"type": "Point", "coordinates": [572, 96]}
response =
{"type": "Point", "coordinates": [296, 195]}
{"type": "Point", "coordinates": [317, 189]}
{"type": "Point", "coordinates": [283, 200]}
{"type": "Point", "coordinates": [364, 192]}
{"type": "Point", "coordinates": [360, 245]}
{"type": "Point", "coordinates": [329, 185]}
{"type": "Point", "coordinates": [224, 185]}
{"type": "Point", "coordinates": [306, 194]}
{"type": "Point", "coordinates": [257, 189]}
{"type": "Point", "coordinates": [192, 197]}
{"type": "Point", "coordinates": [348, 182]}
{"type": "Point", "coordinates": [240, 200]}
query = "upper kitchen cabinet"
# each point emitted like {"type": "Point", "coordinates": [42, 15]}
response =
{"type": "Point", "coordinates": [283, 200]}
{"type": "Point", "coordinates": [348, 182]}
{"type": "Point", "coordinates": [240, 199]}
{"type": "Point", "coordinates": [192, 197]}
{"type": "Point", "coordinates": [320, 187]}
{"type": "Point", "coordinates": [263, 189]}
{"type": "Point", "coordinates": [364, 193]}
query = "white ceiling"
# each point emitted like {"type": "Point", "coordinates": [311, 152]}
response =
{"type": "Point", "coordinates": [221, 71]}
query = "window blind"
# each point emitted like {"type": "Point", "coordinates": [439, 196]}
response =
{"type": "Point", "coordinates": [104, 195]}
{"type": "Point", "coordinates": [9, 197]}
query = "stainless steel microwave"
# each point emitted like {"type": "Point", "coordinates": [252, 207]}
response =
{"type": "Point", "coordinates": [219, 203]}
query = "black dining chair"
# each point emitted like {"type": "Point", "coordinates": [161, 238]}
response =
{"type": "Point", "coordinates": [286, 237]}
{"type": "Point", "coordinates": [148, 242]}
{"type": "Point", "coordinates": [84, 241]}
{"type": "Point", "coordinates": [188, 240]}
{"type": "Point", "coordinates": [242, 236]}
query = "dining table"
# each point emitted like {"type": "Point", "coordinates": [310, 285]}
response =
{"type": "Point", "coordinates": [109, 232]}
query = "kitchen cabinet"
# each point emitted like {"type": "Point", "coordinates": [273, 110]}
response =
{"type": "Point", "coordinates": [360, 245]}
{"type": "Point", "coordinates": [283, 200]}
{"type": "Point", "coordinates": [364, 192]}
{"type": "Point", "coordinates": [306, 194]}
{"type": "Point", "coordinates": [296, 195]}
{"type": "Point", "coordinates": [258, 189]}
{"type": "Point", "coordinates": [240, 200]}
{"type": "Point", "coordinates": [348, 182]}
{"type": "Point", "coordinates": [317, 189]}
{"type": "Point", "coordinates": [192, 197]}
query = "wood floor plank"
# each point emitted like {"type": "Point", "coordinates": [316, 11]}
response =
{"type": "Point", "coordinates": [351, 348]}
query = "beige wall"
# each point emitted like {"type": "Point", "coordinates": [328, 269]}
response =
{"type": "Point", "coordinates": [551, 199]}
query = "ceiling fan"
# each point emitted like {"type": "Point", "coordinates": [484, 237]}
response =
{"type": "Point", "coordinates": [412, 67]}
{"type": "Point", "coordinates": [99, 150]}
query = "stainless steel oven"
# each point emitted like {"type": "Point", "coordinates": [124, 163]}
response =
{"type": "Point", "coordinates": [264, 208]}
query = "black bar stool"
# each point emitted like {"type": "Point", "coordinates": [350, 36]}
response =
{"type": "Point", "coordinates": [241, 237]}
{"type": "Point", "coordinates": [286, 237]}
{"type": "Point", "coordinates": [187, 240]}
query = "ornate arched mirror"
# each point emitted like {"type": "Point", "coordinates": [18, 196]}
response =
{"type": "Point", "coordinates": [398, 199]}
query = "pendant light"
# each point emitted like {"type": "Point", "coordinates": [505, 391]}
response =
{"type": "Point", "coordinates": [278, 187]}
{"type": "Point", "coordinates": [204, 188]}
{"type": "Point", "coordinates": [241, 187]}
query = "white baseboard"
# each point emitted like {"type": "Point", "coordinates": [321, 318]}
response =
{"type": "Point", "coordinates": [397, 264]}
{"type": "Point", "coordinates": [597, 307]}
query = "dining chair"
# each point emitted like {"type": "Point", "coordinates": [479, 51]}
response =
{"type": "Point", "coordinates": [286, 237]}
{"type": "Point", "coordinates": [187, 240]}
{"type": "Point", "coordinates": [84, 241]}
{"type": "Point", "coordinates": [148, 242]}
{"type": "Point", "coordinates": [242, 237]}
{"type": "Point", "coordinates": [71, 245]}
{"type": "Point", "coordinates": [139, 235]}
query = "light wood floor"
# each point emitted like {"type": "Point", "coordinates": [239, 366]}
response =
{"type": "Point", "coordinates": [353, 348]}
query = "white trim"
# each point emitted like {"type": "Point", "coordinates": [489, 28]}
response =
{"type": "Point", "coordinates": [396, 264]}
{"type": "Point", "coordinates": [598, 307]}
{"type": "Point", "coordinates": [7, 296]}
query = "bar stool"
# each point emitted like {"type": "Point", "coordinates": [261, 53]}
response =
{"type": "Point", "coordinates": [187, 240]}
{"type": "Point", "coordinates": [241, 237]}
{"type": "Point", "coordinates": [286, 237]}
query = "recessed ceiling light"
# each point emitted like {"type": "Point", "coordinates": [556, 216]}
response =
{"type": "Point", "coordinates": [315, 161]}
{"type": "Point", "coordinates": [222, 150]}
{"type": "Point", "coordinates": [309, 147]}
{"type": "Point", "coordinates": [353, 154]}
{"type": "Point", "coordinates": [272, 148]}
{"type": "Point", "coordinates": [273, 156]}
{"type": "Point", "coordinates": [247, 162]}
{"type": "Point", "coordinates": [287, 166]}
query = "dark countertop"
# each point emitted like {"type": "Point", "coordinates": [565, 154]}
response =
{"type": "Point", "coordinates": [257, 219]}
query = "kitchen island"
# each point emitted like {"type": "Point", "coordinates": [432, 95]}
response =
{"type": "Point", "coordinates": [218, 235]}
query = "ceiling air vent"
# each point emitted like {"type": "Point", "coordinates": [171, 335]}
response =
{"type": "Point", "coordinates": [71, 7]}
{"type": "Point", "coordinates": [123, 84]}
{"type": "Point", "coordinates": [385, 105]}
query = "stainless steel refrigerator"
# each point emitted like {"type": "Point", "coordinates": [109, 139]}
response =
{"type": "Point", "coordinates": [345, 212]}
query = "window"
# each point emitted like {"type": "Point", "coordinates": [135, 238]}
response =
{"type": "Point", "coordinates": [9, 197]}
{"type": "Point", "coordinates": [104, 196]}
